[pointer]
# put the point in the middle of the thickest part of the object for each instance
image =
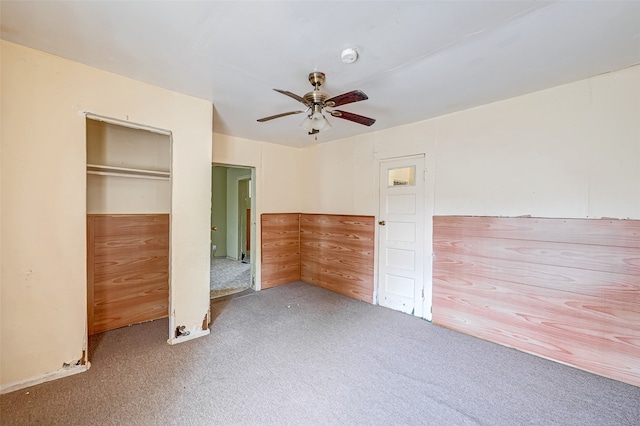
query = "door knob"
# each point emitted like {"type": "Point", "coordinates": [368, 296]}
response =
{"type": "Point", "coordinates": [214, 228]}
{"type": "Point", "coordinates": [382, 222]}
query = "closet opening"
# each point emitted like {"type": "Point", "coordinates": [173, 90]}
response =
{"type": "Point", "coordinates": [232, 230]}
{"type": "Point", "coordinates": [128, 223]}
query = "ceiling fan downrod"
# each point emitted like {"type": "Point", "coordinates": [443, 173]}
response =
{"type": "Point", "coordinates": [316, 97]}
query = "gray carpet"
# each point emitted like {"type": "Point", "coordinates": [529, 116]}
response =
{"type": "Point", "coordinates": [228, 276]}
{"type": "Point", "coordinates": [301, 355]}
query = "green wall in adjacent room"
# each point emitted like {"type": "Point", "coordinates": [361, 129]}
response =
{"type": "Point", "coordinates": [219, 209]}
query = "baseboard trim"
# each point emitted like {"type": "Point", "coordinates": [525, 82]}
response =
{"type": "Point", "coordinates": [47, 377]}
{"type": "Point", "coordinates": [191, 336]}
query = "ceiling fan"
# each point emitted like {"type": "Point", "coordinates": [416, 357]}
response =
{"type": "Point", "coordinates": [318, 103]}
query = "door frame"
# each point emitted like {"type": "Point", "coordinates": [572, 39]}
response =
{"type": "Point", "coordinates": [255, 283]}
{"type": "Point", "coordinates": [152, 129]}
{"type": "Point", "coordinates": [423, 308]}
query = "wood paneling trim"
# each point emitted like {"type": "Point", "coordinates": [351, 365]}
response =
{"type": "Point", "coordinates": [123, 225]}
{"type": "Point", "coordinates": [530, 329]}
{"type": "Point", "coordinates": [621, 260]}
{"type": "Point", "coordinates": [130, 265]}
{"type": "Point", "coordinates": [280, 252]}
{"type": "Point", "coordinates": [607, 320]}
{"type": "Point", "coordinates": [337, 253]}
{"type": "Point", "coordinates": [517, 282]}
{"type": "Point", "coordinates": [581, 281]}
{"type": "Point", "coordinates": [604, 232]}
{"type": "Point", "coordinates": [90, 272]}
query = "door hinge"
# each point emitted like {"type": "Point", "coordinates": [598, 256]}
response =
{"type": "Point", "coordinates": [422, 293]}
{"type": "Point", "coordinates": [424, 175]}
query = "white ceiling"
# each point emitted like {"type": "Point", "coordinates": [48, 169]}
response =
{"type": "Point", "coordinates": [418, 59]}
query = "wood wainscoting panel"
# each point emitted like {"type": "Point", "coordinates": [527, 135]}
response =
{"type": "Point", "coordinates": [90, 272]}
{"type": "Point", "coordinates": [280, 252]}
{"type": "Point", "coordinates": [564, 289]}
{"type": "Point", "coordinates": [337, 253]}
{"type": "Point", "coordinates": [130, 265]}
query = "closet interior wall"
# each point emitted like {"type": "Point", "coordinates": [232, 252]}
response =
{"type": "Point", "coordinates": [128, 207]}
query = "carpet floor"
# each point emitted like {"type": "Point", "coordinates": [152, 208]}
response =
{"type": "Point", "coordinates": [228, 276]}
{"type": "Point", "coordinates": [300, 355]}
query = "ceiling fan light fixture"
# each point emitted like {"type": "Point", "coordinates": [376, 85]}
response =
{"type": "Point", "coordinates": [315, 121]}
{"type": "Point", "coordinates": [307, 124]}
{"type": "Point", "coordinates": [318, 121]}
{"type": "Point", "coordinates": [325, 124]}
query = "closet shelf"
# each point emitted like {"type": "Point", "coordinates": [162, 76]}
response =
{"type": "Point", "coordinates": [98, 169]}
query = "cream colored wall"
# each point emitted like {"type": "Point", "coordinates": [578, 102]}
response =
{"type": "Point", "coordinates": [570, 151]}
{"type": "Point", "coordinates": [118, 146]}
{"type": "Point", "coordinates": [277, 170]}
{"type": "Point", "coordinates": [277, 180]}
{"type": "Point", "coordinates": [340, 177]}
{"type": "Point", "coordinates": [567, 152]}
{"type": "Point", "coordinates": [118, 195]}
{"type": "Point", "coordinates": [43, 294]}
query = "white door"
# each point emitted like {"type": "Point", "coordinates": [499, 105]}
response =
{"type": "Point", "coordinates": [401, 234]}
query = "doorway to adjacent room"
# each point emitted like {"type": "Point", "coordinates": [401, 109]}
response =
{"type": "Point", "coordinates": [232, 229]}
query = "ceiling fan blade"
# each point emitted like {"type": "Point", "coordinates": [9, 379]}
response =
{"type": "Point", "coordinates": [294, 96]}
{"type": "Point", "coordinates": [346, 98]}
{"type": "Point", "coordinates": [284, 114]}
{"type": "Point", "coordinates": [354, 117]}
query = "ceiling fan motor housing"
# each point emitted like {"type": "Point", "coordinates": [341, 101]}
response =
{"type": "Point", "coordinates": [316, 97]}
{"type": "Point", "coordinates": [316, 79]}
